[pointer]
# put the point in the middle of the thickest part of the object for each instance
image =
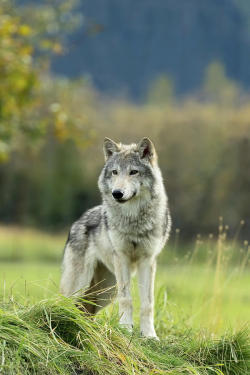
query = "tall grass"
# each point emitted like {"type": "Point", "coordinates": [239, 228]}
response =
{"type": "Point", "coordinates": [213, 278]}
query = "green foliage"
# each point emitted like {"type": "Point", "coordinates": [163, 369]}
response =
{"type": "Point", "coordinates": [18, 75]}
{"type": "Point", "coordinates": [51, 21]}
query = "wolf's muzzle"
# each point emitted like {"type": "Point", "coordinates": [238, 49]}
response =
{"type": "Point", "coordinates": [117, 194]}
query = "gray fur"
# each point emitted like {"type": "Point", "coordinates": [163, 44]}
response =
{"type": "Point", "coordinates": [118, 236]}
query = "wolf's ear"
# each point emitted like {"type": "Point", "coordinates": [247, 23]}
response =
{"type": "Point", "coordinates": [146, 150]}
{"type": "Point", "coordinates": [109, 147]}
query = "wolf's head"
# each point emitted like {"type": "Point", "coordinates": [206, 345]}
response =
{"type": "Point", "coordinates": [130, 171]}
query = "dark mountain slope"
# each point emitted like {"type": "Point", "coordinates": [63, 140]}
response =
{"type": "Point", "coordinates": [125, 44]}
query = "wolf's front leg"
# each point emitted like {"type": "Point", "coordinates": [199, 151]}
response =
{"type": "Point", "coordinates": [146, 270]}
{"type": "Point", "coordinates": [122, 274]}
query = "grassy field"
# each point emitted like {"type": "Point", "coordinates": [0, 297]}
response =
{"type": "Point", "coordinates": [202, 311]}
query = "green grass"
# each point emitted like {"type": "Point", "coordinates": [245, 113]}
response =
{"type": "Point", "coordinates": [201, 314]}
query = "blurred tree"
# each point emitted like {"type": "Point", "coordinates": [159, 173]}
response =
{"type": "Point", "coordinates": [217, 87]}
{"type": "Point", "coordinates": [161, 91]}
{"type": "Point", "coordinates": [28, 36]}
{"type": "Point", "coordinates": [52, 21]}
{"type": "Point", "coordinates": [18, 76]}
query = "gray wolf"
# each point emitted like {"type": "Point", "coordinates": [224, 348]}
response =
{"type": "Point", "coordinates": [125, 233]}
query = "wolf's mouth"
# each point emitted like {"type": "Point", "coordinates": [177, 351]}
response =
{"type": "Point", "coordinates": [125, 200]}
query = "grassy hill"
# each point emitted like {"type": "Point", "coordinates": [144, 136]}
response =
{"type": "Point", "coordinates": [54, 337]}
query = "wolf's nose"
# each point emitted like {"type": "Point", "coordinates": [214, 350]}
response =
{"type": "Point", "coordinates": [117, 194]}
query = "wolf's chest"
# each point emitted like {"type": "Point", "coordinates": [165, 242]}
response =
{"type": "Point", "coordinates": [135, 251]}
{"type": "Point", "coordinates": [134, 227]}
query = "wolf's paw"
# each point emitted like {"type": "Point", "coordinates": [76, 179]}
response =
{"type": "Point", "coordinates": [149, 333]}
{"type": "Point", "coordinates": [150, 336]}
{"type": "Point", "coordinates": [128, 327]}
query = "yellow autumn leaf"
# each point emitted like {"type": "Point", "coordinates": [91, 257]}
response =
{"type": "Point", "coordinates": [24, 30]}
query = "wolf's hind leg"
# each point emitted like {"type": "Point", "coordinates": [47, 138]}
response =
{"type": "Point", "coordinates": [78, 270]}
{"type": "Point", "coordinates": [102, 289]}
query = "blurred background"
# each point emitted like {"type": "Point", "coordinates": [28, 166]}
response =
{"type": "Point", "coordinates": [73, 72]}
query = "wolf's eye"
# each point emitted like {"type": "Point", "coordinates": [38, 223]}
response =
{"type": "Point", "coordinates": [134, 171]}
{"type": "Point", "coordinates": [114, 172]}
